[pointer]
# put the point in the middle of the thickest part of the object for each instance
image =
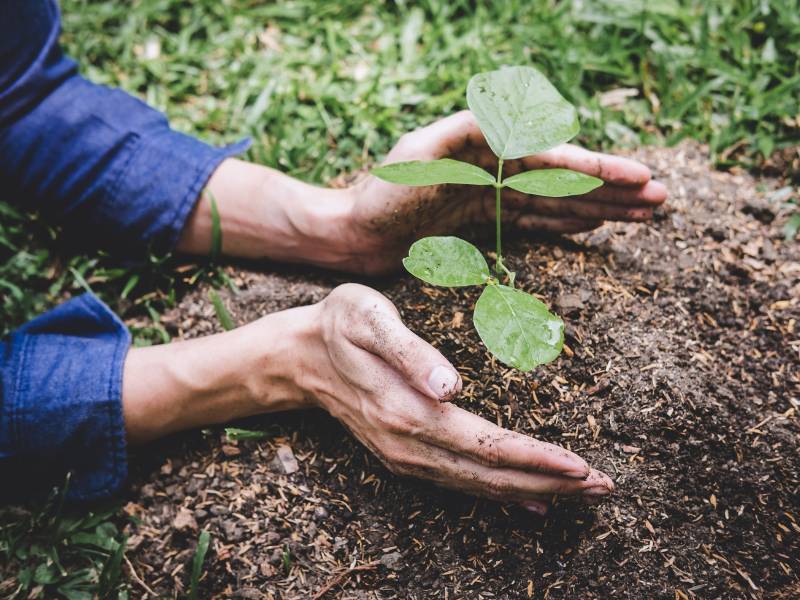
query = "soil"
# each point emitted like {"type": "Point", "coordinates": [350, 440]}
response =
{"type": "Point", "coordinates": [680, 379]}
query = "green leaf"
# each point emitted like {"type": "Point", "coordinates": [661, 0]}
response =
{"type": "Point", "coordinates": [553, 182]}
{"type": "Point", "coordinates": [520, 112]}
{"type": "Point", "coordinates": [433, 172]}
{"type": "Point", "coordinates": [45, 574]}
{"type": "Point", "coordinates": [225, 318]}
{"type": "Point", "coordinates": [517, 328]}
{"type": "Point", "coordinates": [112, 571]}
{"type": "Point", "coordinates": [234, 434]}
{"type": "Point", "coordinates": [216, 229]}
{"type": "Point", "coordinates": [446, 261]}
{"type": "Point", "coordinates": [197, 563]}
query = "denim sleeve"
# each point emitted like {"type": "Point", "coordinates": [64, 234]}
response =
{"type": "Point", "coordinates": [109, 168]}
{"type": "Point", "coordinates": [60, 402]}
{"type": "Point", "coordinates": [97, 160]}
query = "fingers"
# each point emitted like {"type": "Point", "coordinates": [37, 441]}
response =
{"type": "Point", "coordinates": [577, 208]}
{"type": "Point", "coordinates": [582, 213]}
{"type": "Point", "coordinates": [441, 138]}
{"type": "Point", "coordinates": [612, 204]}
{"type": "Point", "coordinates": [612, 169]}
{"type": "Point", "coordinates": [377, 328]}
{"type": "Point", "coordinates": [455, 471]}
{"type": "Point", "coordinates": [460, 133]}
{"type": "Point", "coordinates": [510, 485]}
{"type": "Point", "coordinates": [555, 224]}
{"type": "Point", "coordinates": [468, 435]}
{"type": "Point", "coordinates": [651, 194]}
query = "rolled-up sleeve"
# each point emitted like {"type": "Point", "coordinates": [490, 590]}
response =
{"type": "Point", "coordinates": [112, 172]}
{"type": "Point", "coordinates": [61, 402]}
{"type": "Point", "coordinates": [100, 162]}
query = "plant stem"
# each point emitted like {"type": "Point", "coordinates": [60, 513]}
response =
{"type": "Point", "coordinates": [498, 267]}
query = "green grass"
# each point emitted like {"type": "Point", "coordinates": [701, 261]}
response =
{"type": "Point", "coordinates": [328, 87]}
{"type": "Point", "coordinates": [50, 552]}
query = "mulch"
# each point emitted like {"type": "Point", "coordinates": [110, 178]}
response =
{"type": "Point", "coordinates": [679, 378]}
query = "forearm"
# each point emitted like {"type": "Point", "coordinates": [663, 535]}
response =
{"type": "Point", "coordinates": [266, 214]}
{"type": "Point", "coordinates": [215, 379]}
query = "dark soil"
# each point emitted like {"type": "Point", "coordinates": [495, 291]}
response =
{"type": "Point", "coordinates": [680, 380]}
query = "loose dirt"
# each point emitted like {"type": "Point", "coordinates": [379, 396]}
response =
{"type": "Point", "coordinates": [680, 379]}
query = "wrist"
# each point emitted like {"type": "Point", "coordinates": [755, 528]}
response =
{"type": "Point", "coordinates": [250, 370]}
{"type": "Point", "coordinates": [266, 214]}
{"type": "Point", "coordinates": [314, 222]}
{"type": "Point", "coordinates": [284, 346]}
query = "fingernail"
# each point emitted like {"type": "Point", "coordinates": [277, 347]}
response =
{"type": "Point", "coordinates": [597, 490]}
{"type": "Point", "coordinates": [443, 382]}
{"type": "Point", "coordinates": [540, 508]}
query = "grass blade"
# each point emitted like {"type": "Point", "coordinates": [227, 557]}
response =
{"type": "Point", "coordinates": [235, 434]}
{"type": "Point", "coordinates": [112, 571]}
{"type": "Point", "coordinates": [197, 563]}
{"type": "Point", "coordinates": [225, 318]}
{"type": "Point", "coordinates": [216, 230]}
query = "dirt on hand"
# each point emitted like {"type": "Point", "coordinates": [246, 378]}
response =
{"type": "Point", "coordinates": [679, 379]}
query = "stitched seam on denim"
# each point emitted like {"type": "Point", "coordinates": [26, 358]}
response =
{"type": "Point", "coordinates": [202, 175]}
{"type": "Point", "coordinates": [21, 386]}
{"type": "Point", "coordinates": [104, 486]}
{"type": "Point", "coordinates": [112, 408]}
{"type": "Point", "coordinates": [192, 194]}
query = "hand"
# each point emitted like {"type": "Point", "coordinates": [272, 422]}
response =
{"type": "Point", "coordinates": [390, 389]}
{"type": "Point", "coordinates": [351, 355]}
{"type": "Point", "coordinates": [386, 218]}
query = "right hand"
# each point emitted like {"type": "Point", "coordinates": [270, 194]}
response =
{"type": "Point", "coordinates": [386, 218]}
{"type": "Point", "coordinates": [390, 389]}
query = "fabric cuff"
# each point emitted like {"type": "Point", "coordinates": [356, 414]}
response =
{"type": "Point", "coordinates": [165, 175]}
{"type": "Point", "coordinates": [62, 400]}
{"type": "Point", "coordinates": [107, 166]}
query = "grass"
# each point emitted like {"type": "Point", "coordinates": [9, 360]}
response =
{"type": "Point", "coordinates": [328, 87]}
{"type": "Point", "coordinates": [48, 552]}
{"type": "Point", "coordinates": [324, 88]}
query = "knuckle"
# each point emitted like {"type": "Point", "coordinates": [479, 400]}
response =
{"type": "Point", "coordinates": [357, 306]}
{"type": "Point", "coordinates": [395, 423]}
{"type": "Point", "coordinates": [490, 454]}
{"type": "Point", "coordinates": [396, 460]}
{"type": "Point", "coordinates": [387, 459]}
{"type": "Point", "coordinates": [565, 487]}
{"type": "Point", "coordinates": [368, 305]}
{"type": "Point", "coordinates": [499, 486]}
{"type": "Point", "coordinates": [406, 141]}
{"type": "Point", "coordinates": [346, 293]}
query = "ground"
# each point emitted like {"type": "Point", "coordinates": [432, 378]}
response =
{"type": "Point", "coordinates": [680, 379]}
{"type": "Point", "coordinates": [325, 89]}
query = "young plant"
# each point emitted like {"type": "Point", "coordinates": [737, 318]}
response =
{"type": "Point", "coordinates": [520, 113]}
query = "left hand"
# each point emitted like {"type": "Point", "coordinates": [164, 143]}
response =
{"type": "Point", "coordinates": [386, 218]}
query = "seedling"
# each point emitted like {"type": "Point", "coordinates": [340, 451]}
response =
{"type": "Point", "coordinates": [520, 113]}
{"type": "Point", "coordinates": [197, 563]}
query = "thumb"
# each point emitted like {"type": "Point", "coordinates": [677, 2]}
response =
{"type": "Point", "coordinates": [439, 139]}
{"type": "Point", "coordinates": [420, 364]}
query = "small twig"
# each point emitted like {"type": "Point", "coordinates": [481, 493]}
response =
{"type": "Point", "coordinates": [342, 576]}
{"type": "Point", "coordinates": [136, 577]}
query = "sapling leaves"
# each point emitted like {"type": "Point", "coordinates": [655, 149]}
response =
{"type": "Point", "coordinates": [446, 261]}
{"type": "Point", "coordinates": [517, 328]}
{"type": "Point", "coordinates": [433, 172]}
{"type": "Point", "coordinates": [554, 183]}
{"type": "Point", "coordinates": [520, 112]}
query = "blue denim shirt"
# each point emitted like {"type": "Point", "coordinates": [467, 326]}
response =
{"type": "Point", "coordinates": [109, 168]}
